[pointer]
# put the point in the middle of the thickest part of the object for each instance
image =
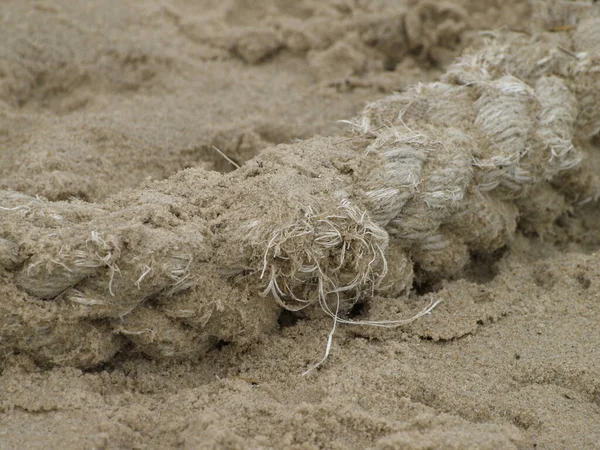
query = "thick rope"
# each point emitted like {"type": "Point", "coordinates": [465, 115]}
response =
{"type": "Point", "coordinates": [435, 173]}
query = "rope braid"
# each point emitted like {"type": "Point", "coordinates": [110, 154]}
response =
{"type": "Point", "coordinates": [433, 174]}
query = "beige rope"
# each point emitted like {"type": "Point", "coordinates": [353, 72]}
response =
{"type": "Point", "coordinates": [436, 172]}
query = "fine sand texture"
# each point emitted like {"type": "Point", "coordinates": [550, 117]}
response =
{"type": "Point", "coordinates": [138, 132]}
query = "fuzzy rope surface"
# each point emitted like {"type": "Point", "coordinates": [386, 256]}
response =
{"type": "Point", "coordinates": [432, 175]}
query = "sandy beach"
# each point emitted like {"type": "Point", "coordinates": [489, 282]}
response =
{"type": "Point", "coordinates": [98, 99]}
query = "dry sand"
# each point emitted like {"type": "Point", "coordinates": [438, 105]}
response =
{"type": "Point", "coordinates": [96, 97]}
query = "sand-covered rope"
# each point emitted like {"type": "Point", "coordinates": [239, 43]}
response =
{"type": "Point", "coordinates": [432, 175]}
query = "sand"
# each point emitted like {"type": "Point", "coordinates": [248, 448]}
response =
{"type": "Point", "coordinates": [99, 97]}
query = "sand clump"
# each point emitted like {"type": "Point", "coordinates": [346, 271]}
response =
{"type": "Point", "coordinates": [124, 269]}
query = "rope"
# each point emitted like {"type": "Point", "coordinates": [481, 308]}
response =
{"type": "Point", "coordinates": [435, 173]}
